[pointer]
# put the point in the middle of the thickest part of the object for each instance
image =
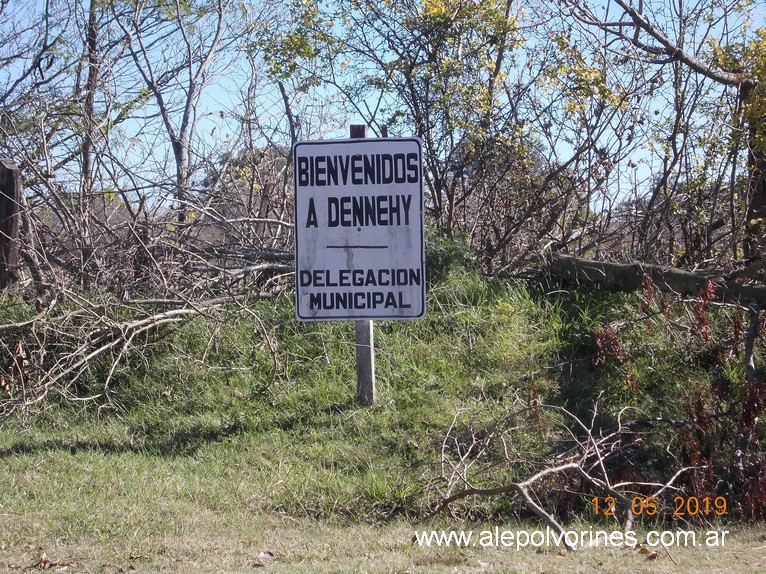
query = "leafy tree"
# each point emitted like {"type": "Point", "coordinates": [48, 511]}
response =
{"type": "Point", "coordinates": [706, 61]}
{"type": "Point", "coordinates": [466, 78]}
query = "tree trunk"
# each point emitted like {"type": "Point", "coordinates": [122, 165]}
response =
{"type": "Point", "coordinates": [87, 199]}
{"type": "Point", "coordinates": [630, 277]}
{"type": "Point", "coordinates": [755, 221]}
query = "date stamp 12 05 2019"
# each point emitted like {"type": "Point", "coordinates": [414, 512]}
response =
{"type": "Point", "coordinates": [682, 506]}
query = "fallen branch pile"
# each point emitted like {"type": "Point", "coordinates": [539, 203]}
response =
{"type": "Point", "coordinates": [587, 460]}
{"type": "Point", "coordinates": [75, 339]}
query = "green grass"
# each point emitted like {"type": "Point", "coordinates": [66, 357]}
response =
{"type": "Point", "coordinates": [239, 434]}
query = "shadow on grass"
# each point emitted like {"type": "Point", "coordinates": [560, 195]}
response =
{"type": "Point", "coordinates": [155, 438]}
{"type": "Point", "coordinates": [182, 442]}
{"type": "Point", "coordinates": [576, 314]}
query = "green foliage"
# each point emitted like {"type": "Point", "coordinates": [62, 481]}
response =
{"type": "Point", "coordinates": [756, 104]}
{"type": "Point", "coordinates": [290, 50]}
{"type": "Point", "coordinates": [447, 255]}
{"type": "Point", "coordinates": [14, 309]}
{"type": "Point", "coordinates": [221, 386]}
{"type": "Point", "coordinates": [250, 409]}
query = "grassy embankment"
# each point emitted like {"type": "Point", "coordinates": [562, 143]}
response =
{"type": "Point", "coordinates": [235, 438]}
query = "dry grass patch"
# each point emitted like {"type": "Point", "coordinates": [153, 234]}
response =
{"type": "Point", "coordinates": [211, 542]}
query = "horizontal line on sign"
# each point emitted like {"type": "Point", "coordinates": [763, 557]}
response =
{"type": "Point", "coordinates": [357, 247]}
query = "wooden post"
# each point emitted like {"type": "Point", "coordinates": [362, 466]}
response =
{"type": "Point", "coordinates": [10, 200]}
{"type": "Point", "coordinates": [363, 332]}
{"type": "Point", "coordinates": [365, 363]}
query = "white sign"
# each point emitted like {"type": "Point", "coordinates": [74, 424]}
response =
{"type": "Point", "coordinates": [359, 229]}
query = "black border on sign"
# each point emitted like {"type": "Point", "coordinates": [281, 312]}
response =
{"type": "Point", "coordinates": [366, 317]}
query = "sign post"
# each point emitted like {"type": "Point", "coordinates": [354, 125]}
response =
{"type": "Point", "coordinates": [364, 333]}
{"type": "Point", "coordinates": [10, 200]}
{"type": "Point", "coordinates": [359, 236]}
